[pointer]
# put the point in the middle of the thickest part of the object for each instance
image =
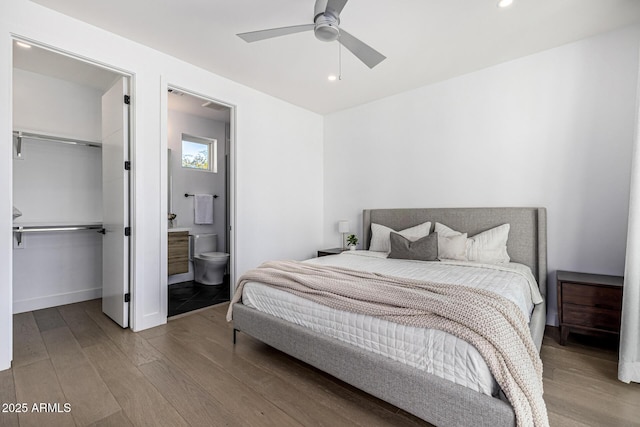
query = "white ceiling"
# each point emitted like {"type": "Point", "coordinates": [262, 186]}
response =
{"type": "Point", "coordinates": [425, 41]}
{"type": "Point", "coordinates": [195, 106]}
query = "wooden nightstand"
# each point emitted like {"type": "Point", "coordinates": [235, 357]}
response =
{"type": "Point", "coordinates": [589, 304]}
{"type": "Point", "coordinates": [332, 251]}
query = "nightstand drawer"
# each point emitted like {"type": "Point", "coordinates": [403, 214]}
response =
{"type": "Point", "coordinates": [591, 317]}
{"type": "Point", "coordinates": [593, 296]}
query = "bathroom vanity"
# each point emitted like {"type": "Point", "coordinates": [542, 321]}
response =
{"type": "Point", "coordinates": [178, 251]}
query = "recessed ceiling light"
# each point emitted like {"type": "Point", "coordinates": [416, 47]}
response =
{"type": "Point", "coordinates": [23, 44]}
{"type": "Point", "coordinates": [505, 3]}
{"type": "Point", "coordinates": [332, 78]}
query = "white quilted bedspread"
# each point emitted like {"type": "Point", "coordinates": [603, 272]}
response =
{"type": "Point", "coordinates": [431, 350]}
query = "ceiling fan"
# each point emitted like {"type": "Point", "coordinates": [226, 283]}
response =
{"type": "Point", "coordinates": [325, 25]}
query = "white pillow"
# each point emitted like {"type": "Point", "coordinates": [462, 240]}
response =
{"type": "Point", "coordinates": [452, 247]}
{"type": "Point", "coordinates": [380, 240]}
{"type": "Point", "coordinates": [489, 246]}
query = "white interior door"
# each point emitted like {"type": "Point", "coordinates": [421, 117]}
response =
{"type": "Point", "coordinates": [115, 203]}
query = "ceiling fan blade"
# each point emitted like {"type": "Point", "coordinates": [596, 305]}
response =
{"type": "Point", "coordinates": [361, 50]}
{"type": "Point", "coordinates": [254, 36]}
{"type": "Point", "coordinates": [336, 5]}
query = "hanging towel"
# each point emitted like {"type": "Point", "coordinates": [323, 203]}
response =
{"type": "Point", "coordinates": [203, 207]}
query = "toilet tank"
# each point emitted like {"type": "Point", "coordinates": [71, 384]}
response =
{"type": "Point", "coordinates": [201, 243]}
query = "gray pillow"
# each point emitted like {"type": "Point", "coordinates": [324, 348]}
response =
{"type": "Point", "coordinates": [423, 249]}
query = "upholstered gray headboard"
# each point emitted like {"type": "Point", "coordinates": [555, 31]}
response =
{"type": "Point", "coordinates": [527, 242]}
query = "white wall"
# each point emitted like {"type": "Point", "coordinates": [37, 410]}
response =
{"type": "Point", "coordinates": [44, 104]}
{"type": "Point", "coordinates": [56, 184]}
{"type": "Point", "coordinates": [278, 150]}
{"type": "Point", "coordinates": [195, 181]}
{"type": "Point", "coordinates": [553, 129]}
{"type": "Point", "coordinates": [57, 268]}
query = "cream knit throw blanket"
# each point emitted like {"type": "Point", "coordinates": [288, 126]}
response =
{"type": "Point", "coordinates": [488, 321]}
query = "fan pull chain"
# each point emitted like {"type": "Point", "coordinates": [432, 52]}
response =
{"type": "Point", "coordinates": [339, 60]}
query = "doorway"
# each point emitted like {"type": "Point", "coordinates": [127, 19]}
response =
{"type": "Point", "coordinates": [198, 174]}
{"type": "Point", "coordinates": [70, 182]}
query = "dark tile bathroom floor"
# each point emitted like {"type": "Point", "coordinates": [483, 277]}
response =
{"type": "Point", "coordinates": [188, 296]}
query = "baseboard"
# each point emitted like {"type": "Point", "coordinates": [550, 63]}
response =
{"type": "Point", "coordinates": [56, 300]}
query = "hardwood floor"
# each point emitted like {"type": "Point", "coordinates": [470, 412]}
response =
{"type": "Point", "coordinates": [188, 372]}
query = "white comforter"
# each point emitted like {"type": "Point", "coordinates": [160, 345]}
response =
{"type": "Point", "coordinates": [430, 350]}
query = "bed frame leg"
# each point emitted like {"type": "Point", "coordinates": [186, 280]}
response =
{"type": "Point", "coordinates": [234, 335]}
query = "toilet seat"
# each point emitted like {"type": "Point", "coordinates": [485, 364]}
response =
{"type": "Point", "coordinates": [213, 256]}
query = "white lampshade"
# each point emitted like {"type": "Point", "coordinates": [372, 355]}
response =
{"type": "Point", "coordinates": [343, 226]}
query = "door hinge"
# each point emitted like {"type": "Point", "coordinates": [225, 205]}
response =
{"type": "Point", "coordinates": [127, 297]}
{"type": "Point", "coordinates": [127, 165]}
{"type": "Point", "coordinates": [127, 99]}
{"type": "Point", "coordinates": [127, 231]}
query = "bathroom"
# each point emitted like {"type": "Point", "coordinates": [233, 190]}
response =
{"type": "Point", "coordinates": [198, 137]}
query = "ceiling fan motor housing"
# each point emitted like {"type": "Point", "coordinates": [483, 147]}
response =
{"type": "Point", "coordinates": [326, 28]}
{"type": "Point", "coordinates": [327, 21]}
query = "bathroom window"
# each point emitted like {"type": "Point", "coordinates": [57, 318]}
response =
{"type": "Point", "coordinates": [199, 153]}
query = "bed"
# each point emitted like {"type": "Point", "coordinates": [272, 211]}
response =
{"type": "Point", "coordinates": [426, 395]}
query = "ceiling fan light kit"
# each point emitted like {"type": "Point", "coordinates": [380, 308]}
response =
{"type": "Point", "coordinates": [326, 27]}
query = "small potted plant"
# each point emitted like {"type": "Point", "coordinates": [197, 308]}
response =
{"type": "Point", "coordinates": [352, 241]}
{"type": "Point", "coordinates": [171, 217]}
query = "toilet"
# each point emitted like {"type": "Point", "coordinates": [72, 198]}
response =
{"type": "Point", "coordinates": [208, 264]}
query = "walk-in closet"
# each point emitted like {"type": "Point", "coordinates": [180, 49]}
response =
{"type": "Point", "coordinates": [70, 186]}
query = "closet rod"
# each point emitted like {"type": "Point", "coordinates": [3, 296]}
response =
{"type": "Point", "coordinates": [43, 137]}
{"type": "Point", "coordinates": [37, 228]}
{"type": "Point", "coordinates": [18, 230]}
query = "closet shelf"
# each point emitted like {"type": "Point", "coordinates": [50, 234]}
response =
{"type": "Point", "coordinates": [19, 135]}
